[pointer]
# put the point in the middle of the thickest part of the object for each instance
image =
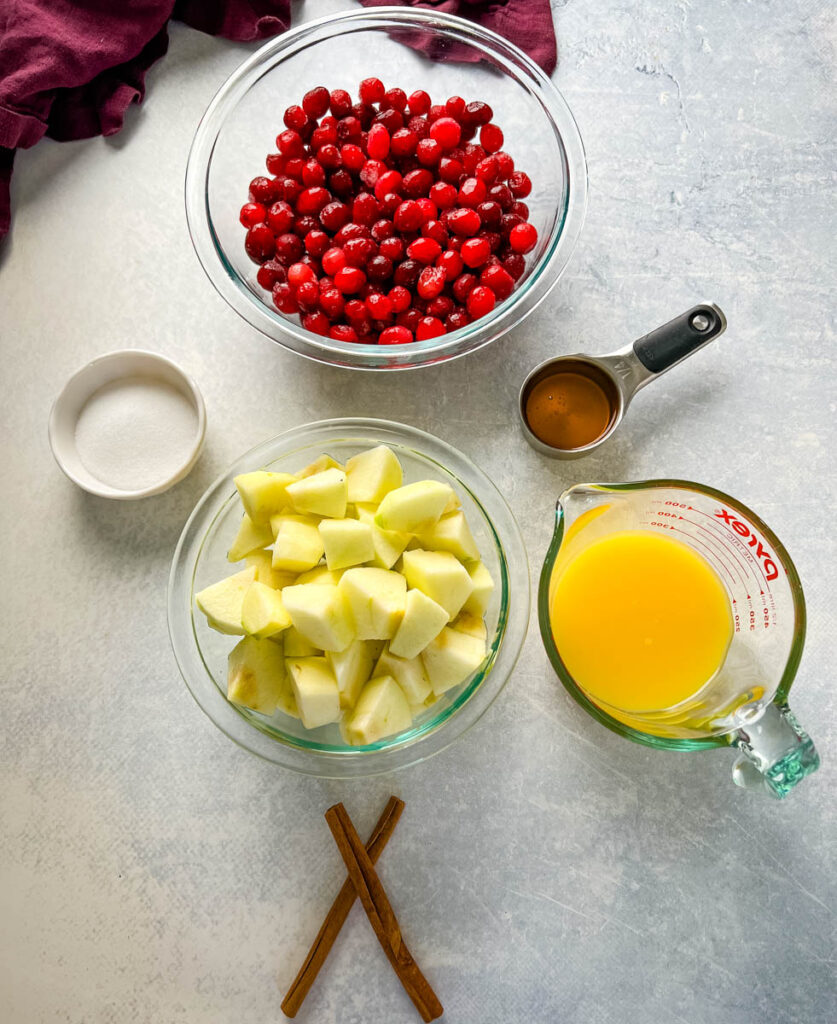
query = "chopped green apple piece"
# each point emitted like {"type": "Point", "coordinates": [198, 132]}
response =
{"type": "Point", "coordinates": [250, 536]}
{"type": "Point", "coordinates": [408, 673]}
{"type": "Point", "coordinates": [298, 545]}
{"type": "Point", "coordinates": [441, 576]}
{"type": "Point", "coordinates": [451, 658]}
{"type": "Point", "coordinates": [483, 588]}
{"type": "Point", "coordinates": [321, 614]}
{"type": "Point", "coordinates": [376, 598]}
{"type": "Point", "coordinates": [423, 620]}
{"type": "Point", "coordinates": [351, 668]}
{"type": "Point", "coordinates": [263, 612]}
{"type": "Point", "coordinates": [372, 474]}
{"type": "Point", "coordinates": [347, 542]}
{"type": "Point", "coordinates": [221, 602]}
{"type": "Point", "coordinates": [452, 533]}
{"type": "Point", "coordinates": [414, 507]}
{"type": "Point", "coordinates": [296, 646]}
{"type": "Point", "coordinates": [322, 494]}
{"type": "Point", "coordinates": [319, 574]}
{"type": "Point", "coordinates": [388, 544]}
{"type": "Point", "coordinates": [473, 625]}
{"type": "Point", "coordinates": [263, 494]}
{"type": "Point", "coordinates": [319, 464]}
{"type": "Point", "coordinates": [315, 691]}
{"type": "Point", "coordinates": [262, 562]}
{"type": "Point", "coordinates": [381, 710]}
{"type": "Point", "coordinates": [256, 675]}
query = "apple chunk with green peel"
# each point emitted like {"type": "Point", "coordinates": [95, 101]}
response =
{"type": "Point", "coordinates": [423, 621]}
{"type": "Point", "coordinates": [321, 614]}
{"type": "Point", "coordinates": [376, 599]}
{"type": "Point", "coordinates": [372, 474]}
{"type": "Point", "coordinates": [221, 602]}
{"type": "Point", "coordinates": [387, 544]}
{"type": "Point", "coordinates": [347, 542]}
{"type": "Point", "coordinates": [315, 690]}
{"type": "Point", "coordinates": [381, 710]}
{"type": "Point", "coordinates": [263, 494]}
{"type": "Point", "coordinates": [256, 675]}
{"type": "Point", "coordinates": [322, 494]}
{"type": "Point", "coordinates": [263, 613]}
{"type": "Point", "coordinates": [441, 576]}
{"type": "Point", "coordinates": [413, 507]}
{"type": "Point", "coordinates": [451, 658]}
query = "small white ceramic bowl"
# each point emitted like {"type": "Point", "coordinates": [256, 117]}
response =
{"type": "Point", "coordinates": [113, 366]}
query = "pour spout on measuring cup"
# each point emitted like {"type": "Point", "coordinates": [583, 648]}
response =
{"type": "Point", "coordinates": [776, 753]}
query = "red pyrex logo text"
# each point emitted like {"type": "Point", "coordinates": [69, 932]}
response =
{"type": "Point", "coordinates": [744, 531]}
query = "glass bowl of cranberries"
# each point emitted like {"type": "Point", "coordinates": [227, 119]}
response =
{"type": "Point", "coordinates": [368, 206]}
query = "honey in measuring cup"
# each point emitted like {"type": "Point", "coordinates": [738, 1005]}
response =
{"type": "Point", "coordinates": [642, 623]}
{"type": "Point", "coordinates": [571, 407]}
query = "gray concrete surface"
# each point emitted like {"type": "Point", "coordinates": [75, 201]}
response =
{"type": "Point", "coordinates": [544, 870]}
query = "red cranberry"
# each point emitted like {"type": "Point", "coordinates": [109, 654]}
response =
{"type": "Point", "coordinates": [455, 107]}
{"type": "Point", "coordinates": [408, 216]}
{"type": "Point", "coordinates": [349, 279]}
{"type": "Point", "coordinates": [371, 171]}
{"type": "Point", "coordinates": [417, 183]}
{"type": "Point", "coordinates": [491, 138]}
{"type": "Point", "coordinates": [313, 173]}
{"type": "Point", "coordinates": [505, 165]}
{"type": "Point", "coordinates": [382, 229]}
{"type": "Point", "coordinates": [304, 224]}
{"type": "Point", "coordinates": [393, 248]}
{"type": "Point", "coordinates": [428, 152]}
{"type": "Point", "coordinates": [523, 237]}
{"type": "Point", "coordinates": [458, 318]}
{"type": "Point", "coordinates": [446, 132]}
{"type": "Point", "coordinates": [315, 102]}
{"type": "Point", "coordinates": [397, 99]}
{"type": "Point", "coordinates": [462, 286]}
{"type": "Point", "coordinates": [316, 242]}
{"type": "Point", "coordinates": [352, 156]}
{"type": "Point", "coordinates": [389, 182]}
{"type": "Point", "coordinates": [480, 301]}
{"type": "Point", "coordinates": [475, 252]}
{"type": "Point", "coordinates": [501, 194]}
{"type": "Point", "coordinates": [289, 248]}
{"type": "Point", "coordinates": [493, 238]}
{"type": "Point", "coordinates": [284, 298]}
{"type": "Point", "coordinates": [390, 203]}
{"type": "Point", "coordinates": [317, 323]}
{"type": "Point", "coordinates": [334, 215]}
{"type": "Point", "coordinates": [365, 209]}
{"type": "Point", "coordinates": [435, 112]}
{"type": "Point", "coordinates": [391, 119]}
{"type": "Point", "coordinates": [291, 190]}
{"type": "Point", "coordinates": [296, 118]}
{"type": "Point", "coordinates": [378, 142]}
{"type": "Point", "coordinates": [263, 190]}
{"type": "Point", "coordinates": [275, 163]}
{"type": "Point", "coordinates": [450, 170]}
{"type": "Point", "coordinates": [270, 273]}
{"type": "Point", "coordinates": [487, 170]}
{"type": "Point", "coordinates": [435, 229]}
{"type": "Point", "coordinates": [325, 135]}
{"type": "Point", "coordinates": [252, 213]}
{"type": "Point", "coordinates": [419, 102]}
{"type": "Point", "coordinates": [425, 250]}
{"type": "Point", "coordinates": [371, 90]}
{"type": "Point", "coordinates": [379, 268]}
{"type": "Point", "coordinates": [365, 113]}
{"type": "Point", "coordinates": [410, 318]}
{"type": "Point", "coordinates": [429, 327]}
{"type": "Point", "coordinates": [341, 183]}
{"type": "Point", "coordinates": [260, 243]}
{"type": "Point", "coordinates": [428, 209]}
{"type": "Point", "coordinates": [520, 208]}
{"type": "Point", "coordinates": [379, 306]}
{"type": "Point", "coordinates": [349, 128]}
{"type": "Point", "coordinates": [451, 262]}
{"type": "Point", "coordinates": [403, 143]}
{"type": "Point", "coordinates": [351, 230]}
{"type": "Point", "coordinates": [359, 251]}
{"type": "Point", "coordinates": [463, 221]}
{"type": "Point", "coordinates": [308, 296]}
{"type": "Point", "coordinates": [312, 200]}
{"type": "Point", "coordinates": [498, 280]}
{"type": "Point", "coordinates": [340, 102]}
{"type": "Point", "coordinates": [420, 126]}
{"type": "Point", "coordinates": [431, 282]}
{"type": "Point", "coordinates": [443, 195]}
{"type": "Point", "coordinates": [290, 143]}
{"type": "Point", "coordinates": [328, 156]}
{"type": "Point", "coordinates": [520, 184]}
{"type": "Point", "coordinates": [356, 311]}
{"type": "Point", "coordinates": [407, 273]}
{"type": "Point", "coordinates": [472, 192]}
{"type": "Point", "coordinates": [299, 273]}
{"type": "Point", "coordinates": [333, 260]}
{"type": "Point", "coordinates": [477, 113]}
{"type": "Point", "coordinates": [395, 336]}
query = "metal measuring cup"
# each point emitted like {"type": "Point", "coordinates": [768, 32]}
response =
{"type": "Point", "coordinates": [622, 373]}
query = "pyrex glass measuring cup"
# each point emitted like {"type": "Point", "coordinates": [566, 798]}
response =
{"type": "Point", "coordinates": [744, 704]}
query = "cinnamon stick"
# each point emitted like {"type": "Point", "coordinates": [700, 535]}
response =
{"type": "Point", "coordinates": [338, 912]}
{"type": "Point", "coordinates": [380, 913]}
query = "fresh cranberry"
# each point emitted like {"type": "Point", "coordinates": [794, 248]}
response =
{"type": "Point", "coordinates": [317, 323]}
{"type": "Point", "coordinates": [270, 273]}
{"type": "Point", "coordinates": [371, 171]}
{"type": "Point", "coordinates": [480, 301]}
{"type": "Point", "coordinates": [351, 230]}
{"type": "Point", "coordinates": [410, 318]}
{"type": "Point", "coordinates": [290, 143]}
{"type": "Point", "coordinates": [389, 182]}
{"type": "Point", "coordinates": [379, 306]}
{"type": "Point", "coordinates": [365, 209]}
{"type": "Point", "coordinates": [431, 282]}
{"type": "Point", "coordinates": [252, 213]}
{"type": "Point", "coordinates": [399, 298]}
{"type": "Point", "coordinates": [499, 280]}
{"type": "Point", "coordinates": [463, 221]}
{"type": "Point", "coordinates": [378, 142]}
{"type": "Point", "coordinates": [418, 102]}
{"type": "Point", "coordinates": [390, 203]}
{"type": "Point", "coordinates": [348, 129]}
{"type": "Point", "coordinates": [333, 260]}
{"type": "Point", "coordinates": [509, 221]}
{"type": "Point", "coordinates": [408, 216]}
{"type": "Point", "coordinates": [455, 107]}
{"type": "Point", "coordinates": [296, 118]}
{"type": "Point", "coordinates": [396, 98]}
{"type": "Point", "coordinates": [440, 306]}
{"type": "Point", "coordinates": [359, 251]}
{"type": "Point", "coordinates": [328, 156]}
{"type": "Point", "coordinates": [298, 273]}
{"type": "Point", "coordinates": [407, 273]}
{"type": "Point", "coordinates": [291, 190]}
{"type": "Point", "coordinates": [260, 243]}
{"type": "Point", "coordinates": [501, 194]}
{"type": "Point", "coordinates": [325, 135]}
{"type": "Point", "coordinates": [428, 152]}
{"type": "Point", "coordinates": [458, 318]}
{"type": "Point", "coordinates": [275, 163]}
{"type": "Point", "coordinates": [313, 173]}
{"type": "Point", "coordinates": [393, 248]}
{"type": "Point", "coordinates": [493, 239]}
{"type": "Point", "coordinates": [342, 332]}
{"type": "Point", "coordinates": [462, 286]}
{"type": "Point", "coordinates": [312, 200]}
{"type": "Point", "coordinates": [451, 262]}
{"type": "Point", "coordinates": [477, 113]}
{"type": "Point", "coordinates": [417, 183]}
{"type": "Point", "coordinates": [429, 327]}
{"type": "Point", "coordinates": [505, 165]}
{"type": "Point", "coordinates": [490, 213]}
{"type": "Point", "coordinates": [284, 298]}
{"type": "Point", "coordinates": [349, 280]}
{"type": "Point", "coordinates": [435, 229]}
{"type": "Point", "coordinates": [435, 112]}
{"type": "Point", "coordinates": [379, 268]}
{"type": "Point", "coordinates": [340, 102]}
{"type": "Point", "coordinates": [352, 156]}
{"type": "Point", "coordinates": [395, 336]}
{"type": "Point", "coordinates": [520, 184]}
{"type": "Point", "coordinates": [289, 248]}
{"type": "Point", "coordinates": [315, 102]}
{"type": "Point", "coordinates": [334, 215]}
{"type": "Point", "coordinates": [391, 119]}
{"type": "Point", "coordinates": [491, 138]}
{"type": "Point", "coordinates": [472, 192]}
{"type": "Point", "coordinates": [403, 143]}
{"type": "Point", "coordinates": [332, 303]}
{"type": "Point", "coordinates": [425, 250]}
{"type": "Point", "coordinates": [420, 126]}
{"type": "Point", "coordinates": [263, 190]}
{"type": "Point", "coordinates": [446, 132]}
{"type": "Point", "coordinates": [316, 242]}
{"type": "Point", "coordinates": [475, 252]}
{"type": "Point", "coordinates": [520, 208]}
{"type": "Point", "coordinates": [382, 229]}
{"type": "Point", "coordinates": [340, 183]}
{"type": "Point", "coordinates": [487, 170]}
{"type": "Point", "coordinates": [371, 90]}
{"type": "Point", "coordinates": [523, 237]}
{"type": "Point", "coordinates": [308, 296]}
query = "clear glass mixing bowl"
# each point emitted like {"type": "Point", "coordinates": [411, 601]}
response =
{"type": "Point", "coordinates": [239, 128]}
{"type": "Point", "coordinates": [200, 559]}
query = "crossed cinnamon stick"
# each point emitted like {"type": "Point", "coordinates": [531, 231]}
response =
{"type": "Point", "coordinates": [363, 883]}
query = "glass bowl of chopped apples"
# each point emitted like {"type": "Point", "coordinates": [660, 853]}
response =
{"type": "Point", "coordinates": [349, 598]}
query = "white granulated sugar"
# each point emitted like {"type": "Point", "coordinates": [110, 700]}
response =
{"type": "Point", "coordinates": [136, 432]}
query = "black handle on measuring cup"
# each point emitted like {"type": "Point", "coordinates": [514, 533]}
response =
{"type": "Point", "coordinates": [680, 337]}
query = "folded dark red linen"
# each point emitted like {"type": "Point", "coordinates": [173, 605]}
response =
{"type": "Point", "coordinates": [70, 68]}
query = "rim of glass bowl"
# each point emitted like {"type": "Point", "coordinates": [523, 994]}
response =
{"type": "Point", "coordinates": [450, 723]}
{"type": "Point", "coordinates": [523, 300]}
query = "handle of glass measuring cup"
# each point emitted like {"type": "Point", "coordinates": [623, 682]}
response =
{"type": "Point", "coordinates": [776, 753]}
{"type": "Point", "coordinates": [679, 338]}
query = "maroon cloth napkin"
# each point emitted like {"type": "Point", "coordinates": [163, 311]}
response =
{"type": "Point", "coordinates": [70, 68]}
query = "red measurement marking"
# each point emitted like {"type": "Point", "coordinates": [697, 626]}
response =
{"type": "Point", "coordinates": [736, 538]}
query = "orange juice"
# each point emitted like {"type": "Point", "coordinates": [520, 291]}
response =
{"type": "Point", "coordinates": [641, 621]}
